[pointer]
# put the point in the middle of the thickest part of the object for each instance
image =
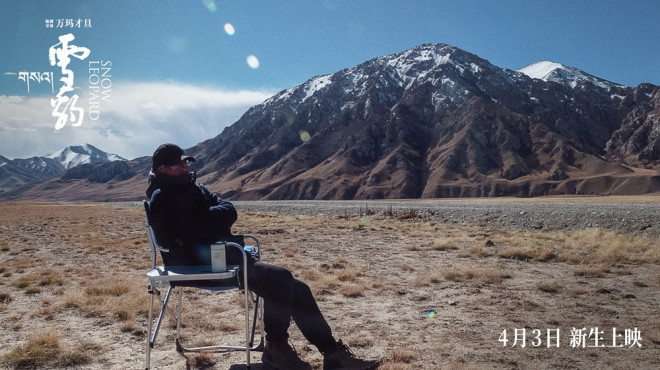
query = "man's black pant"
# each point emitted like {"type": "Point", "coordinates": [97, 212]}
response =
{"type": "Point", "coordinates": [286, 297]}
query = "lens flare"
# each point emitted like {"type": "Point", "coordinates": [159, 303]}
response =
{"type": "Point", "coordinates": [252, 61]}
{"type": "Point", "coordinates": [229, 29]}
{"type": "Point", "coordinates": [431, 313]}
{"type": "Point", "coordinates": [304, 135]}
{"type": "Point", "coordinates": [210, 5]}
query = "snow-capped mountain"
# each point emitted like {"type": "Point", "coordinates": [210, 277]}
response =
{"type": "Point", "coordinates": [436, 121]}
{"type": "Point", "coordinates": [73, 156]}
{"type": "Point", "coordinates": [555, 72]}
{"type": "Point", "coordinates": [19, 171]}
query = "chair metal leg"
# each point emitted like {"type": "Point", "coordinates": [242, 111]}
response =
{"type": "Point", "coordinates": [257, 318]}
{"type": "Point", "coordinates": [151, 307]}
{"type": "Point", "coordinates": [178, 314]}
{"type": "Point", "coordinates": [247, 324]}
{"type": "Point", "coordinates": [250, 345]}
{"type": "Point", "coordinates": [152, 340]}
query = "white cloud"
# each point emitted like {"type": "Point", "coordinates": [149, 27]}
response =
{"type": "Point", "coordinates": [139, 117]}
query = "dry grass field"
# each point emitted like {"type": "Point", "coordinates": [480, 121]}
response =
{"type": "Point", "coordinates": [408, 290]}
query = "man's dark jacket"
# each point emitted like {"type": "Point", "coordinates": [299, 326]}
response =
{"type": "Point", "coordinates": [185, 214]}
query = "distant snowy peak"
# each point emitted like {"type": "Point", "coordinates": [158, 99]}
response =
{"type": "Point", "coordinates": [73, 156]}
{"type": "Point", "coordinates": [540, 70]}
{"type": "Point", "coordinates": [555, 72]}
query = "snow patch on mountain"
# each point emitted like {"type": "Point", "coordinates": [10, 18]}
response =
{"type": "Point", "coordinates": [316, 84]}
{"type": "Point", "coordinates": [540, 70]}
{"type": "Point", "coordinates": [405, 67]}
{"type": "Point", "coordinates": [556, 72]}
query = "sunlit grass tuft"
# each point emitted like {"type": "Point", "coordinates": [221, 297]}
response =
{"type": "Point", "coordinates": [591, 271]}
{"type": "Point", "coordinates": [540, 254]}
{"type": "Point", "coordinates": [43, 350]}
{"type": "Point", "coordinates": [5, 297]}
{"type": "Point", "coordinates": [445, 244]}
{"type": "Point", "coordinates": [121, 300]}
{"type": "Point", "coordinates": [548, 287]}
{"type": "Point", "coordinates": [352, 290]}
{"type": "Point", "coordinates": [201, 361]}
{"type": "Point", "coordinates": [427, 278]}
{"type": "Point", "coordinates": [601, 246]}
{"type": "Point", "coordinates": [360, 340]}
{"type": "Point", "coordinates": [401, 356]}
{"type": "Point", "coordinates": [476, 275]}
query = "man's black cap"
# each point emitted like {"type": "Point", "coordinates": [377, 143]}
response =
{"type": "Point", "coordinates": [169, 155]}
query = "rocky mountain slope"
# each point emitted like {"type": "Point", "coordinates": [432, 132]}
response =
{"type": "Point", "coordinates": [433, 121]}
{"type": "Point", "coordinates": [17, 172]}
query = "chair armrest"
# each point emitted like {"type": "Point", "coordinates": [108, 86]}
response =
{"type": "Point", "coordinates": [154, 242]}
{"type": "Point", "coordinates": [257, 245]}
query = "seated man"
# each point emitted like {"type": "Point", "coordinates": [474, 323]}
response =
{"type": "Point", "coordinates": [185, 213]}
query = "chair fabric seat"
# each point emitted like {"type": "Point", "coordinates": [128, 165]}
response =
{"type": "Point", "coordinates": [194, 276]}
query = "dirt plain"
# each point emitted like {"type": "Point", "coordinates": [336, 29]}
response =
{"type": "Point", "coordinates": [417, 284]}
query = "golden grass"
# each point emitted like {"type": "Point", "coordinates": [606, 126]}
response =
{"type": "Point", "coordinates": [45, 313]}
{"type": "Point", "coordinates": [39, 278]}
{"type": "Point", "coordinates": [601, 246]}
{"type": "Point", "coordinates": [5, 297]}
{"type": "Point", "coordinates": [121, 300]}
{"type": "Point", "coordinates": [591, 271]}
{"type": "Point", "coordinates": [351, 274]}
{"type": "Point", "coordinates": [548, 287]}
{"type": "Point", "coordinates": [116, 290]}
{"type": "Point", "coordinates": [44, 350]}
{"type": "Point", "coordinates": [428, 278]}
{"type": "Point", "coordinates": [201, 361]}
{"type": "Point", "coordinates": [393, 366]}
{"type": "Point", "coordinates": [32, 290]}
{"type": "Point", "coordinates": [39, 351]}
{"type": "Point", "coordinates": [590, 246]}
{"type": "Point", "coordinates": [361, 340]}
{"type": "Point", "coordinates": [197, 319]}
{"type": "Point", "coordinates": [527, 254]}
{"type": "Point", "coordinates": [400, 356]}
{"type": "Point", "coordinates": [352, 290]}
{"type": "Point", "coordinates": [444, 244]}
{"type": "Point", "coordinates": [477, 275]}
{"type": "Point", "coordinates": [327, 281]}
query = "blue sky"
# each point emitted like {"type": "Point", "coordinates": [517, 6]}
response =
{"type": "Point", "coordinates": [178, 75]}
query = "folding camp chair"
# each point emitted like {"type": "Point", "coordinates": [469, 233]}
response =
{"type": "Point", "coordinates": [202, 277]}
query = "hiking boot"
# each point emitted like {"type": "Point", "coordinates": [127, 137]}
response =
{"type": "Point", "coordinates": [344, 359]}
{"type": "Point", "coordinates": [281, 356]}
